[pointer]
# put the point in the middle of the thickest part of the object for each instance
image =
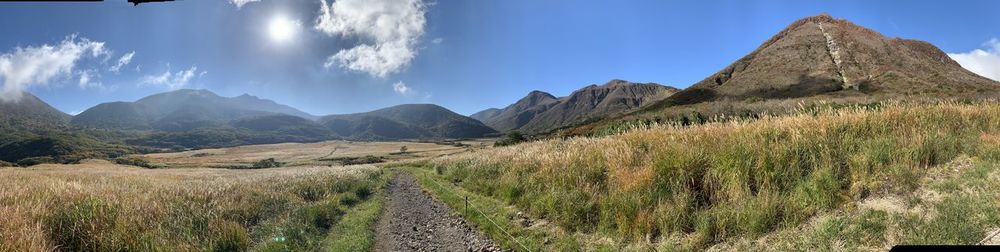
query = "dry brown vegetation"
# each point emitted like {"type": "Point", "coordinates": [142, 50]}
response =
{"type": "Point", "coordinates": [306, 153]}
{"type": "Point", "coordinates": [99, 206]}
{"type": "Point", "coordinates": [696, 186]}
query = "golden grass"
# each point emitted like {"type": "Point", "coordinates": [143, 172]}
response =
{"type": "Point", "coordinates": [301, 153]}
{"type": "Point", "coordinates": [101, 206]}
{"type": "Point", "coordinates": [720, 180]}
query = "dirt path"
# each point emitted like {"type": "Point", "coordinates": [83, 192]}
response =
{"type": "Point", "coordinates": [413, 221]}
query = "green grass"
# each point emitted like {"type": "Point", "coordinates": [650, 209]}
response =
{"type": "Point", "coordinates": [962, 213]}
{"type": "Point", "coordinates": [341, 219]}
{"type": "Point", "coordinates": [542, 239]}
{"type": "Point", "coordinates": [356, 230]}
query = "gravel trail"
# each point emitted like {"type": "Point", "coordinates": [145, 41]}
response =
{"type": "Point", "coordinates": [413, 221]}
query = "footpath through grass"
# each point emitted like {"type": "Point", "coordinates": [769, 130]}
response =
{"type": "Point", "coordinates": [690, 188]}
{"type": "Point", "coordinates": [504, 222]}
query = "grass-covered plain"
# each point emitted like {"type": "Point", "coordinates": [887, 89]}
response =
{"type": "Point", "coordinates": [98, 206]}
{"type": "Point", "coordinates": [678, 187]}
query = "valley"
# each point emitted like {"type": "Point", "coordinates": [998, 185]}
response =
{"type": "Point", "coordinates": [828, 136]}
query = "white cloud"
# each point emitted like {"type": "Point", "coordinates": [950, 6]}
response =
{"type": "Point", "coordinates": [240, 3]}
{"type": "Point", "coordinates": [983, 62]}
{"type": "Point", "coordinates": [391, 29]}
{"type": "Point", "coordinates": [87, 78]}
{"type": "Point", "coordinates": [123, 61]}
{"type": "Point", "coordinates": [402, 89]}
{"type": "Point", "coordinates": [437, 40]}
{"type": "Point", "coordinates": [171, 80]}
{"type": "Point", "coordinates": [37, 65]}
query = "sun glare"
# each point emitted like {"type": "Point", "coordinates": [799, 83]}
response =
{"type": "Point", "coordinates": [282, 29]}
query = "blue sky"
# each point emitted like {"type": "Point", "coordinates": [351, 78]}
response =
{"type": "Point", "coordinates": [359, 55]}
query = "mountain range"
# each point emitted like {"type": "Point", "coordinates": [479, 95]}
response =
{"type": "Point", "coordinates": [540, 112]}
{"type": "Point", "coordinates": [188, 118]}
{"type": "Point", "coordinates": [814, 59]}
{"type": "Point", "coordinates": [817, 58]}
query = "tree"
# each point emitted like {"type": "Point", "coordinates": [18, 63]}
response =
{"type": "Point", "coordinates": [402, 149]}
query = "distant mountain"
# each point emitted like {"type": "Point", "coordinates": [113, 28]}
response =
{"type": "Point", "coordinates": [29, 113]}
{"type": "Point", "coordinates": [180, 110]}
{"type": "Point", "coordinates": [486, 114]}
{"type": "Point", "coordinates": [114, 115]}
{"type": "Point", "coordinates": [521, 112]}
{"type": "Point", "coordinates": [31, 131]}
{"type": "Point", "coordinates": [540, 112]}
{"type": "Point", "coordinates": [821, 55]}
{"type": "Point", "coordinates": [406, 122]}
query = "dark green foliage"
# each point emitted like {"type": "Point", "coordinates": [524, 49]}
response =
{"type": "Point", "coordinates": [511, 138]}
{"type": "Point", "coordinates": [135, 161]}
{"type": "Point", "coordinates": [267, 163]}
{"type": "Point", "coordinates": [60, 147]}
{"type": "Point", "coordinates": [368, 159]}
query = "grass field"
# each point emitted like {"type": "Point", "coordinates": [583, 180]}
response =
{"type": "Point", "coordinates": [310, 203]}
{"type": "Point", "coordinates": [98, 206]}
{"type": "Point", "coordinates": [294, 154]}
{"type": "Point", "coordinates": [717, 184]}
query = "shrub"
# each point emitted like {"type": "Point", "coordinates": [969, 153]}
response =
{"type": "Point", "coordinates": [267, 163]}
{"type": "Point", "coordinates": [511, 138]}
{"type": "Point", "coordinates": [135, 161]}
{"type": "Point", "coordinates": [25, 162]}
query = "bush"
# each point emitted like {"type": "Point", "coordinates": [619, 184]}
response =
{"type": "Point", "coordinates": [135, 161]}
{"type": "Point", "coordinates": [6, 164]}
{"type": "Point", "coordinates": [25, 162]}
{"type": "Point", "coordinates": [512, 138]}
{"type": "Point", "coordinates": [267, 163]}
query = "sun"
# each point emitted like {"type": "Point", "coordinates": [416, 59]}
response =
{"type": "Point", "coordinates": [282, 29]}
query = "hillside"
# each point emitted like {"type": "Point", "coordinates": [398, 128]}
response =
{"type": "Point", "coordinates": [33, 131]}
{"type": "Point", "coordinates": [405, 122]}
{"type": "Point", "coordinates": [29, 112]}
{"type": "Point", "coordinates": [540, 112]}
{"type": "Point", "coordinates": [482, 116]}
{"type": "Point", "coordinates": [520, 113]}
{"type": "Point", "coordinates": [853, 179]}
{"type": "Point", "coordinates": [821, 55]}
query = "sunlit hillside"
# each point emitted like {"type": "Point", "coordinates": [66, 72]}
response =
{"type": "Point", "coordinates": [695, 187]}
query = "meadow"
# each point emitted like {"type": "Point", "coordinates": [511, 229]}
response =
{"type": "Point", "coordinates": [98, 206]}
{"type": "Point", "coordinates": [739, 182]}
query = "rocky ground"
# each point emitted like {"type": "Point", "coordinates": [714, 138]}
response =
{"type": "Point", "coordinates": [413, 221]}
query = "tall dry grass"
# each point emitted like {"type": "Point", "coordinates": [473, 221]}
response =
{"type": "Point", "coordinates": [740, 178]}
{"type": "Point", "coordinates": [105, 207]}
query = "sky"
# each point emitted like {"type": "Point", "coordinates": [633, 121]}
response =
{"type": "Point", "coordinates": [345, 56]}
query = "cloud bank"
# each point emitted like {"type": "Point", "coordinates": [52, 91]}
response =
{"type": "Point", "coordinates": [171, 80]}
{"type": "Point", "coordinates": [37, 65]}
{"type": "Point", "coordinates": [390, 29]}
{"type": "Point", "coordinates": [982, 62]}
